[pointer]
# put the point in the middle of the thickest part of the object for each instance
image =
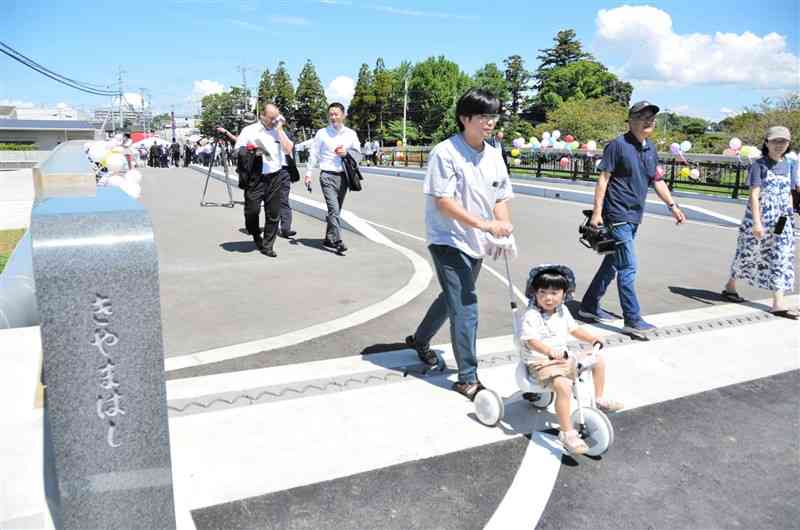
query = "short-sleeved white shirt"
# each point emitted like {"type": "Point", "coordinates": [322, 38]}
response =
{"type": "Point", "coordinates": [554, 330]}
{"type": "Point", "coordinates": [477, 180]}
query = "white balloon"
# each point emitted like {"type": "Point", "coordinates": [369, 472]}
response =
{"type": "Point", "coordinates": [735, 144]}
{"type": "Point", "coordinates": [97, 152]}
{"type": "Point", "coordinates": [591, 145]}
{"type": "Point", "coordinates": [694, 174]}
{"type": "Point", "coordinates": [686, 146]}
{"type": "Point", "coordinates": [545, 136]}
{"type": "Point", "coordinates": [115, 162]}
{"type": "Point", "coordinates": [556, 134]}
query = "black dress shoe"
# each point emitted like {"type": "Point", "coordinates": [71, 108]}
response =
{"type": "Point", "coordinates": [329, 244]}
{"type": "Point", "coordinates": [340, 246]}
{"type": "Point", "coordinates": [269, 252]}
{"type": "Point", "coordinates": [258, 242]}
{"type": "Point", "coordinates": [286, 234]}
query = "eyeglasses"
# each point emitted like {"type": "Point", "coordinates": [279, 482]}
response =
{"type": "Point", "coordinates": [485, 118]}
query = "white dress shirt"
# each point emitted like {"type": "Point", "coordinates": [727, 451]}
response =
{"type": "Point", "coordinates": [273, 158]}
{"type": "Point", "coordinates": [323, 148]}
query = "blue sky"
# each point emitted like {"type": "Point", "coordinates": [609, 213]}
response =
{"type": "Point", "coordinates": [699, 58]}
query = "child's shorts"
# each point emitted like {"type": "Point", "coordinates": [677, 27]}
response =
{"type": "Point", "coordinates": [545, 370]}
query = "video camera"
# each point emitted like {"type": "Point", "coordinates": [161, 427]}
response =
{"type": "Point", "coordinates": [597, 238]}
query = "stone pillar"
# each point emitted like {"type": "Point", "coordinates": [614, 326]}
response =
{"type": "Point", "coordinates": [106, 435]}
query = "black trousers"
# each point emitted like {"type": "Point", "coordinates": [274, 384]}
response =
{"type": "Point", "coordinates": [266, 190]}
{"type": "Point", "coordinates": [286, 209]}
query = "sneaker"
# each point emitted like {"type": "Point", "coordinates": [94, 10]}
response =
{"type": "Point", "coordinates": [340, 246]}
{"type": "Point", "coordinates": [329, 244]}
{"type": "Point", "coordinates": [601, 315]}
{"type": "Point", "coordinates": [424, 351]}
{"type": "Point", "coordinates": [572, 442]}
{"type": "Point", "coordinates": [286, 234]}
{"type": "Point", "coordinates": [608, 405]}
{"type": "Point", "coordinates": [640, 326]}
{"type": "Point", "coordinates": [469, 390]}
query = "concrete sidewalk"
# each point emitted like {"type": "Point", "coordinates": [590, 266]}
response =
{"type": "Point", "coordinates": [357, 416]}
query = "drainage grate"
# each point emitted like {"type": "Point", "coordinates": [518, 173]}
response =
{"type": "Point", "coordinates": [271, 394]}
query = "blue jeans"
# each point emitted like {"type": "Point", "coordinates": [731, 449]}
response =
{"type": "Point", "coordinates": [621, 263]}
{"type": "Point", "coordinates": [458, 301]}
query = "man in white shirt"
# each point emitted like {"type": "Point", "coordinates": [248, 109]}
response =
{"type": "Point", "coordinates": [329, 147]}
{"type": "Point", "coordinates": [269, 139]}
{"type": "Point", "coordinates": [467, 190]}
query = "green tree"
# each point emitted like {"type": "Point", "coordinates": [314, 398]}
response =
{"type": "Point", "coordinates": [517, 127]}
{"type": "Point", "coordinates": [751, 124]}
{"type": "Point", "coordinates": [283, 94]}
{"type": "Point", "coordinates": [394, 108]}
{"type": "Point", "coordinates": [518, 80]}
{"type": "Point", "coordinates": [360, 114]}
{"type": "Point", "coordinates": [393, 131]}
{"type": "Point", "coordinates": [581, 80]}
{"type": "Point", "coordinates": [312, 105]}
{"type": "Point", "coordinates": [434, 87]}
{"type": "Point", "coordinates": [566, 49]}
{"type": "Point", "coordinates": [599, 119]}
{"type": "Point", "coordinates": [383, 81]}
{"type": "Point", "coordinates": [160, 121]}
{"type": "Point", "coordinates": [225, 109]}
{"type": "Point", "coordinates": [265, 91]}
{"type": "Point", "coordinates": [491, 78]}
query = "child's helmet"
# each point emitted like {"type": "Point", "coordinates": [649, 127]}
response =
{"type": "Point", "coordinates": [551, 268]}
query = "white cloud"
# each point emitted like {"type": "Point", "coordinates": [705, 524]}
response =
{"type": "Point", "coordinates": [341, 89]}
{"type": "Point", "coordinates": [652, 51]}
{"type": "Point", "coordinates": [417, 13]}
{"type": "Point", "coordinates": [134, 99]}
{"type": "Point", "coordinates": [17, 103]}
{"type": "Point", "coordinates": [204, 88]}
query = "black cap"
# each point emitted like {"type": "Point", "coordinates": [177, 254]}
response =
{"type": "Point", "coordinates": [641, 106]}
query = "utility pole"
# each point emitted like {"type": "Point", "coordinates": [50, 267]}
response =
{"type": "Point", "coordinates": [144, 116]}
{"type": "Point", "coordinates": [243, 70]}
{"type": "Point", "coordinates": [119, 79]}
{"type": "Point", "coordinates": [405, 106]}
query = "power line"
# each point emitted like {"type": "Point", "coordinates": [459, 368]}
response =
{"type": "Point", "coordinates": [72, 83]}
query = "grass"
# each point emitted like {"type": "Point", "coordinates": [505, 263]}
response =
{"type": "Point", "coordinates": [8, 240]}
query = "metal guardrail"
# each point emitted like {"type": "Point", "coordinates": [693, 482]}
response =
{"type": "Point", "coordinates": [717, 173]}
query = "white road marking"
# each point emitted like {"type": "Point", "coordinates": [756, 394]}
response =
{"type": "Point", "coordinates": [418, 282]}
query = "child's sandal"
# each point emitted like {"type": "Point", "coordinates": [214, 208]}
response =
{"type": "Point", "coordinates": [572, 442]}
{"type": "Point", "coordinates": [608, 405]}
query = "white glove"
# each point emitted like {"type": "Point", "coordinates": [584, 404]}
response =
{"type": "Point", "coordinates": [499, 247]}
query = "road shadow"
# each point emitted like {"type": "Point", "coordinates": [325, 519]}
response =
{"type": "Point", "coordinates": [704, 296]}
{"type": "Point", "coordinates": [239, 246]}
{"type": "Point", "coordinates": [313, 243]}
{"type": "Point", "coordinates": [383, 347]}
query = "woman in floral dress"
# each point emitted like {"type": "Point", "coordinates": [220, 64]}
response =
{"type": "Point", "coordinates": [765, 250]}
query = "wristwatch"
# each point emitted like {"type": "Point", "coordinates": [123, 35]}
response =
{"type": "Point", "coordinates": [671, 205]}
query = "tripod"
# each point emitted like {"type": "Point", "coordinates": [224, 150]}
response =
{"type": "Point", "coordinates": [230, 204]}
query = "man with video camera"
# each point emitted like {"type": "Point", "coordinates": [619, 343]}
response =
{"type": "Point", "coordinates": [628, 167]}
{"type": "Point", "coordinates": [268, 141]}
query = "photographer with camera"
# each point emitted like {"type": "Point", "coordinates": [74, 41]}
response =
{"type": "Point", "coordinates": [628, 167]}
{"type": "Point", "coordinates": [266, 138]}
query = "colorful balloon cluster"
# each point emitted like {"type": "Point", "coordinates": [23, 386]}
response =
{"type": "Point", "coordinates": [735, 148]}
{"type": "Point", "coordinates": [551, 140]}
{"type": "Point", "coordinates": [110, 165]}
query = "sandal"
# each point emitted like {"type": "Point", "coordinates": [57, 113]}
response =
{"type": "Point", "coordinates": [732, 296]}
{"type": "Point", "coordinates": [572, 442]}
{"type": "Point", "coordinates": [468, 390]}
{"type": "Point", "coordinates": [791, 314]}
{"type": "Point", "coordinates": [609, 405]}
